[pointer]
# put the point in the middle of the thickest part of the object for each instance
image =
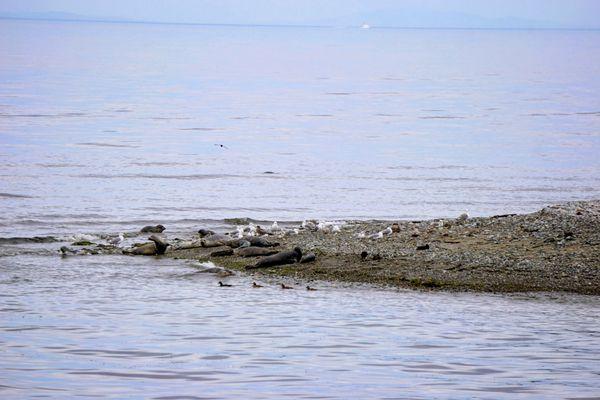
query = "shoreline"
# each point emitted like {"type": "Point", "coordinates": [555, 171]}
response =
{"type": "Point", "coordinates": [556, 249]}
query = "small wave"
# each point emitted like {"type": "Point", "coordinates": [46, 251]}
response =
{"type": "Point", "coordinates": [105, 145]}
{"type": "Point", "coordinates": [14, 196]}
{"type": "Point", "coordinates": [34, 239]}
{"type": "Point", "coordinates": [588, 113]}
{"type": "Point", "coordinates": [442, 117]}
{"type": "Point", "coordinates": [159, 164]}
{"type": "Point", "coordinates": [386, 115]}
{"type": "Point", "coordinates": [439, 167]}
{"type": "Point", "coordinates": [160, 176]}
{"type": "Point", "coordinates": [67, 114]}
{"type": "Point", "coordinates": [201, 129]}
{"type": "Point", "coordinates": [59, 165]}
{"type": "Point", "coordinates": [4, 115]}
{"type": "Point", "coordinates": [170, 118]}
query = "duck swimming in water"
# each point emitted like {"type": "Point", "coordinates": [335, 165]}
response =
{"type": "Point", "coordinates": [256, 285]}
{"type": "Point", "coordinates": [310, 289]}
{"type": "Point", "coordinates": [283, 286]}
{"type": "Point", "coordinates": [221, 284]}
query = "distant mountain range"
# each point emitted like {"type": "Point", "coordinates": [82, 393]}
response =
{"type": "Point", "coordinates": [57, 15]}
{"type": "Point", "coordinates": [433, 19]}
{"type": "Point", "coordinates": [384, 18]}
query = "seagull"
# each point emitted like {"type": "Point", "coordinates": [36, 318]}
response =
{"type": "Point", "coordinates": [240, 232]}
{"type": "Point", "coordinates": [377, 235]}
{"type": "Point", "coordinates": [117, 240]}
{"type": "Point", "coordinates": [387, 231]}
{"type": "Point", "coordinates": [275, 227]}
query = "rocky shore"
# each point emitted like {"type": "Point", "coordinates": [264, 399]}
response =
{"type": "Point", "coordinates": [554, 249]}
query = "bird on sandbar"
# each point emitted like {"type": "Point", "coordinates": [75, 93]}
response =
{"type": "Point", "coordinates": [117, 241]}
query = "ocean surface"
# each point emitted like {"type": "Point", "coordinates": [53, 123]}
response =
{"type": "Point", "coordinates": [105, 128]}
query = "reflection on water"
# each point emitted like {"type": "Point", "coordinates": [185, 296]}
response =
{"type": "Point", "coordinates": [139, 327]}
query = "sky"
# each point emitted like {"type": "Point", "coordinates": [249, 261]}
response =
{"type": "Point", "coordinates": [424, 13]}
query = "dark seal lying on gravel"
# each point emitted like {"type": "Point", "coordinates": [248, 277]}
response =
{"type": "Point", "coordinates": [255, 251]}
{"type": "Point", "coordinates": [283, 258]}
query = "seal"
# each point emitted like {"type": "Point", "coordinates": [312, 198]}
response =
{"type": "Point", "coordinates": [146, 249]}
{"type": "Point", "coordinates": [310, 257]}
{"type": "Point", "coordinates": [153, 229]}
{"type": "Point", "coordinates": [222, 253]}
{"type": "Point", "coordinates": [283, 258]}
{"type": "Point", "coordinates": [255, 252]}
{"type": "Point", "coordinates": [205, 232]}
{"type": "Point", "coordinates": [215, 240]}
{"type": "Point", "coordinates": [260, 242]}
{"type": "Point", "coordinates": [161, 244]}
{"type": "Point", "coordinates": [238, 243]}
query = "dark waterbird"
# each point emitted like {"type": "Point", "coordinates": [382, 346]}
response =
{"type": "Point", "coordinates": [283, 286]}
{"type": "Point", "coordinates": [221, 284]}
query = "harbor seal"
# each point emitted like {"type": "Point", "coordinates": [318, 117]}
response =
{"type": "Point", "coordinates": [222, 253]}
{"type": "Point", "coordinates": [261, 242]}
{"type": "Point", "coordinates": [146, 249]}
{"type": "Point", "coordinates": [205, 232]}
{"type": "Point", "coordinates": [255, 252]}
{"type": "Point", "coordinates": [160, 244]}
{"type": "Point", "coordinates": [283, 258]}
{"type": "Point", "coordinates": [215, 240]}
{"type": "Point", "coordinates": [308, 258]}
{"type": "Point", "coordinates": [153, 229]}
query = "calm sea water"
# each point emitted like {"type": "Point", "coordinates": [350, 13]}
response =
{"type": "Point", "coordinates": [109, 127]}
{"type": "Point", "coordinates": [131, 327]}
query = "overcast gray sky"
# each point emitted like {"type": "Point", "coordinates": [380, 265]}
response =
{"type": "Point", "coordinates": [483, 13]}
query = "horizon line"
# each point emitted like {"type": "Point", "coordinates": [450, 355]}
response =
{"type": "Point", "coordinates": [265, 25]}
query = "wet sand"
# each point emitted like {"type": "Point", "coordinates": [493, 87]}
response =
{"type": "Point", "coordinates": [554, 249]}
